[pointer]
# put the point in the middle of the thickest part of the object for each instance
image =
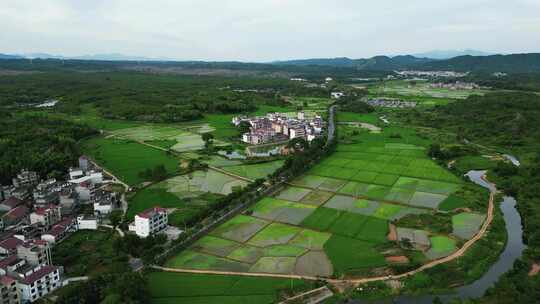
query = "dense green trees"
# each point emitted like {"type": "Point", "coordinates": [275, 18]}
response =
{"type": "Point", "coordinates": [36, 142]}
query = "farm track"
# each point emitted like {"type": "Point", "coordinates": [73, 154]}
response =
{"type": "Point", "coordinates": [340, 282]}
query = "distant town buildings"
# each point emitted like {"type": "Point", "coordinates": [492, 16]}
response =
{"type": "Point", "coordinates": [458, 85]}
{"type": "Point", "coordinates": [391, 103]}
{"type": "Point", "coordinates": [150, 222]}
{"type": "Point", "coordinates": [337, 95]}
{"type": "Point", "coordinates": [433, 74]}
{"type": "Point", "coordinates": [280, 127]}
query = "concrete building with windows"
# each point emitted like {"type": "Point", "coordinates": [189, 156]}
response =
{"type": "Point", "coordinates": [46, 216]}
{"type": "Point", "coordinates": [9, 293]}
{"type": "Point", "coordinates": [150, 222]}
{"type": "Point", "coordinates": [35, 252]}
{"type": "Point", "coordinates": [35, 282]}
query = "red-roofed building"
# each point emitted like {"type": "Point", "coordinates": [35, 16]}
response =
{"type": "Point", "coordinates": [150, 222]}
{"type": "Point", "coordinates": [9, 245]}
{"type": "Point", "coordinates": [36, 282]}
{"type": "Point", "coordinates": [10, 203]}
{"type": "Point", "coordinates": [60, 231]}
{"type": "Point", "coordinates": [35, 252]}
{"type": "Point", "coordinates": [9, 294]}
{"type": "Point", "coordinates": [15, 216]}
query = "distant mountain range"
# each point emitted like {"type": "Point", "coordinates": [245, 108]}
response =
{"type": "Point", "coordinates": [103, 57]}
{"type": "Point", "coordinates": [447, 54]}
{"type": "Point", "coordinates": [513, 63]}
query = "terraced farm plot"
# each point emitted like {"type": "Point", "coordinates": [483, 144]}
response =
{"type": "Point", "coordinates": [348, 224]}
{"type": "Point", "coordinates": [316, 198]}
{"type": "Point", "coordinates": [240, 228]}
{"type": "Point", "coordinates": [293, 194]}
{"type": "Point", "coordinates": [311, 181]}
{"type": "Point", "coordinates": [310, 239]}
{"type": "Point", "coordinates": [358, 206]}
{"type": "Point", "coordinates": [194, 260]}
{"type": "Point", "coordinates": [203, 181]}
{"type": "Point", "coordinates": [374, 230]}
{"type": "Point", "coordinates": [215, 246]}
{"type": "Point", "coordinates": [349, 255]}
{"type": "Point", "coordinates": [284, 251]}
{"type": "Point", "coordinates": [321, 219]}
{"type": "Point", "coordinates": [246, 254]}
{"type": "Point", "coordinates": [428, 200]}
{"type": "Point", "coordinates": [465, 225]}
{"type": "Point", "coordinates": [282, 265]}
{"type": "Point", "coordinates": [295, 213]}
{"type": "Point", "coordinates": [441, 246]}
{"type": "Point", "coordinates": [188, 288]}
{"type": "Point", "coordinates": [274, 234]}
{"type": "Point", "coordinates": [332, 184]}
{"type": "Point", "coordinates": [282, 211]}
{"type": "Point", "coordinates": [255, 171]}
{"type": "Point", "coordinates": [354, 188]}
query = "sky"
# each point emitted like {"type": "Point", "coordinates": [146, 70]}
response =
{"type": "Point", "coordinates": [266, 30]}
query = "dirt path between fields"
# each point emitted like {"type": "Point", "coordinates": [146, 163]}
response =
{"type": "Point", "coordinates": [460, 252]}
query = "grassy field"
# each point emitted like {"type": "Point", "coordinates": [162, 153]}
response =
{"type": "Point", "coordinates": [178, 288]}
{"type": "Point", "coordinates": [126, 159]}
{"type": "Point", "coordinates": [87, 252]}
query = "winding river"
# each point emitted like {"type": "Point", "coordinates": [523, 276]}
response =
{"type": "Point", "coordinates": [512, 251]}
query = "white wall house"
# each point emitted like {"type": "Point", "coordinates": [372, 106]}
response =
{"type": "Point", "coordinates": [150, 222]}
{"type": "Point", "coordinates": [87, 222]}
{"type": "Point", "coordinates": [38, 282]}
{"type": "Point", "coordinates": [337, 95]}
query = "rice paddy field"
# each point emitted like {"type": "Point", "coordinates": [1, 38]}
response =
{"type": "Point", "coordinates": [126, 159]}
{"type": "Point", "coordinates": [180, 139]}
{"type": "Point", "coordinates": [254, 171]}
{"type": "Point", "coordinates": [335, 219]}
{"type": "Point", "coordinates": [186, 195]}
{"type": "Point", "coordinates": [179, 288]}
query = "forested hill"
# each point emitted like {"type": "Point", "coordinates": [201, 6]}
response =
{"type": "Point", "coordinates": [515, 63]}
{"type": "Point", "coordinates": [501, 119]}
{"type": "Point", "coordinates": [381, 63]}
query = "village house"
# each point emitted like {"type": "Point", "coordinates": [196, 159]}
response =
{"type": "Point", "coordinates": [8, 246]}
{"type": "Point", "coordinates": [60, 231]}
{"type": "Point", "coordinates": [87, 222]}
{"type": "Point", "coordinates": [68, 199]}
{"type": "Point", "coordinates": [46, 216]}
{"type": "Point", "coordinates": [10, 203]}
{"type": "Point", "coordinates": [15, 216]}
{"type": "Point", "coordinates": [25, 179]}
{"type": "Point", "coordinates": [280, 127]}
{"type": "Point", "coordinates": [35, 252]}
{"type": "Point", "coordinates": [149, 222]}
{"type": "Point", "coordinates": [34, 282]}
{"type": "Point", "coordinates": [104, 202]}
{"type": "Point", "coordinates": [9, 293]}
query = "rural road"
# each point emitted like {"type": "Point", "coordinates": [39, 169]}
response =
{"type": "Point", "coordinates": [460, 252]}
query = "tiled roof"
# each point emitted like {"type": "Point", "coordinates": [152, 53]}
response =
{"type": "Point", "coordinates": [12, 202]}
{"type": "Point", "coordinates": [10, 243]}
{"type": "Point", "coordinates": [8, 261]}
{"type": "Point", "coordinates": [6, 281]}
{"type": "Point", "coordinates": [148, 213]}
{"type": "Point", "coordinates": [17, 212]}
{"type": "Point", "coordinates": [45, 270]}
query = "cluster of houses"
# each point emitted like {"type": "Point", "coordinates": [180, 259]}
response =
{"type": "Point", "coordinates": [37, 214]}
{"type": "Point", "coordinates": [390, 103]}
{"type": "Point", "coordinates": [432, 74]}
{"type": "Point", "coordinates": [458, 85]}
{"type": "Point", "coordinates": [276, 127]}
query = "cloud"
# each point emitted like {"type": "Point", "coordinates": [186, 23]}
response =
{"type": "Point", "coordinates": [265, 30]}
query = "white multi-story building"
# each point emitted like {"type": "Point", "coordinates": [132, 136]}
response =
{"type": "Point", "coordinates": [87, 222]}
{"type": "Point", "coordinates": [9, 294]}
{"type": "Point", "coordinates": [36, 282]}
{"type": "Point", "coordinates": [46, 216]}
{"type": "Point", "coordinates": [150, 222]}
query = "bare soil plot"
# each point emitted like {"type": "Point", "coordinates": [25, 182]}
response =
{"type": "Point", "coordinates": [419, 239]}
{"type": "Point", "coordinates": [274, 234]}
{"type": "Point", "coordinates": [282, 265]}
{"type": "Point", "coordinates": [240, 228]}
{"type": "Point", "coordinates": [465, 225]}
{"type": "Point", "coordinates": [314, 263]}
{"type": "Point", "coordinates": [293, 194]}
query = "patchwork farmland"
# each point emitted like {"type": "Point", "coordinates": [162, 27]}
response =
{"type": "Point", "coordinates": [342, 218]}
